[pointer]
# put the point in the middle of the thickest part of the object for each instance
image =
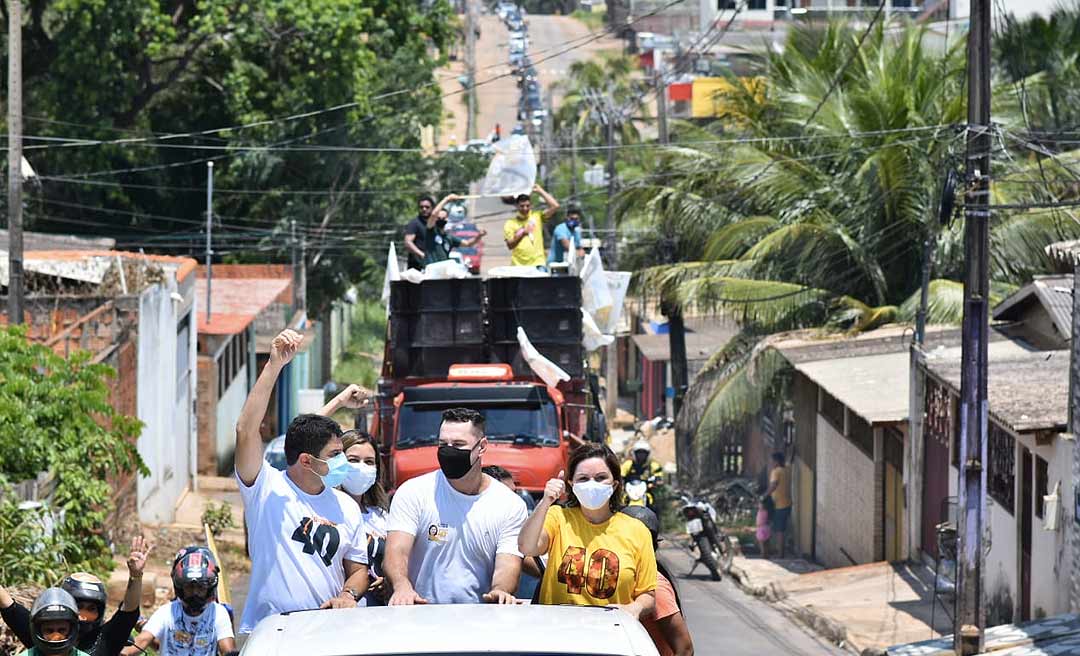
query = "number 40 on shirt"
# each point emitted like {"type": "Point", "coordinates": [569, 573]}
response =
{"type": "Point", "coordinates": [602, 575]}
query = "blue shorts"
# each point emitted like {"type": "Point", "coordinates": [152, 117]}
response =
{"type": "Point", "coordinates": [780, 519]}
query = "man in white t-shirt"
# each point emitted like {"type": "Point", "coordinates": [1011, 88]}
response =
{"type": "Point", "coordinates": [453, 533]}
{"type": "Point", "coordinates": [307, 539]}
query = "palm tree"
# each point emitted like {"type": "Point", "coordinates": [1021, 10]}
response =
{"type": "Point", "coordinates": [591, 82]}
{"type": "Point", "coordinates": [818, 218]}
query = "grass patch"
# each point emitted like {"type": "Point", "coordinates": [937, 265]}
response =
{"type": "Point", "coordinates": [593, 20]}
{"type": "Point", "coordinates": [362, 360]}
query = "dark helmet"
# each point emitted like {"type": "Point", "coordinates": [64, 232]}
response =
{"type": "Point", "coordinates": [54, 605]}
{"type": "Point", "coordinates": [646, 517]}
{"type": "Point", "coordinates": [195, 565]}
{"type": "Point", "coordinates": [84, 587]}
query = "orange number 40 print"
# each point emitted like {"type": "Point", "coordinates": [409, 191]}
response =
{"type": "Point", "coordinates": [601, 579]}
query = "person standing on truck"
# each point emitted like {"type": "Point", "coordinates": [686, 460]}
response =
{"type": "Point", "coordinates": [439, 243]}
{"type": "Point", "coordinates": [567, 236]}
{"type": "Point", "coordinates": [524, 231]}
{"type": "Point", "coordinates": [416, 231]}
{"type": "Point", "coordinates": [307, 540]}
{"type": "Point", "coordinates": [453, 533]}
{"type": "Point", "coordinates": [597, 556]}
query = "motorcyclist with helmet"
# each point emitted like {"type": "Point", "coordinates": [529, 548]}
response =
{"type": "Point", "coordinates": [54, 625]}
{"type": "Point", "coordinates": [641, 467]}
{"type": "Point", "coordinates": [193, 624]}
{"type": "Point", "coordinates": [95, 636]}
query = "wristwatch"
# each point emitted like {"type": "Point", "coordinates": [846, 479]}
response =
{"type": "Point", "coordinates": [355, 595]}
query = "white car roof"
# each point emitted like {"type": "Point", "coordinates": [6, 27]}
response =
{"type": "Point", "coordinates": [451, 629]}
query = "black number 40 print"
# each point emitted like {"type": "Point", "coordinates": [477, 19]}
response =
{"type": "Point", "coordinates": [320, 539]}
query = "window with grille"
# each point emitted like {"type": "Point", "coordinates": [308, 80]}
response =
{"type": "Point", "coordinates": [1001, 470]}
{"type": "Point", "coordinates": [940, 421]}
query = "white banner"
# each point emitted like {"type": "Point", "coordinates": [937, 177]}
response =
{"type": "Point", "coordinates": [513, 168]}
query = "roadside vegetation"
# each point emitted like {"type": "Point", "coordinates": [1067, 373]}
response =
{"type": "Point", "coordinates": [807, 202]}
{"type": "Point", "coordinates": [362, 360]}
{"type": "Point", "coordinates": [594, 20]}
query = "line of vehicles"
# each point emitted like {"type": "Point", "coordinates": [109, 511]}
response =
{"type": "Point", "coordinates": [531, 109]}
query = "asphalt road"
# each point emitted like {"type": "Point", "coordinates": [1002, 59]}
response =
{"type": "Point", "coordinates": [723, 620]}
{"type": "Point", "coordinates": [555, 42]}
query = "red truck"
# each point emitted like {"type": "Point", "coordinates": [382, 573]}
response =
{"type": "Point", "coordinates": [531, 426]}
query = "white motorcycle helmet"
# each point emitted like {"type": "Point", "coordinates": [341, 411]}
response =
{"type": "Point", "coordinates": [641, 445]}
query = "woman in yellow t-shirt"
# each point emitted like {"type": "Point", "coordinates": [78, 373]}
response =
{"type": "Point", "coordinates": [596, 555]}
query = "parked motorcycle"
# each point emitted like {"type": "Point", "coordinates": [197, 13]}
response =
{"type": "Point", "coordinates": [714, 550]}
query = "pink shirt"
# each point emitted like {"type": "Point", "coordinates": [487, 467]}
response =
{"type": "Point", "coordinates": [665, 607]}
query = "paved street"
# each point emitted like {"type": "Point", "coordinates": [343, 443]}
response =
{"type": "Point", "coordinates": [497, 100]}
{"type": "Point", "coordinates": [724, 620]}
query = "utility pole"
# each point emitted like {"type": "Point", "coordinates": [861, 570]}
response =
{"type": "Point", "coordinates": [609, 125]}
{"type": "Point", "coordinates": [573, 162]}
{"type": "Point", "coordinates": [680, 378]}
{"type": "Point", "coordinates": [295, 270]}
{"type": "Point", "coordinates": [209, 229]}
{"type": "Point", "coordinates": [470, 67]}
{"type": "Point", "coordinates": [302, 287]}
{"type": "Point", "coordinates": [971, 612]}
{"type": "Point", "coordinates": [16, 289]}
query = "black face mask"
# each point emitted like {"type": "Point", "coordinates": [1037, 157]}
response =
{"type": "Point", "coordinates": [455, 462]}
{"type": "Point", "coordinates": [441, 223]}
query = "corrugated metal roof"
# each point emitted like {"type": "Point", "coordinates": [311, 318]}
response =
{"type": "Point", "coordinates": [875, 387]}
{"type": "Point", "coordinates": [1028, 390]}
{"type": "Point", "coordinates": [1053, 292]}
{"type": "Point", "coordinates": [235, 302]}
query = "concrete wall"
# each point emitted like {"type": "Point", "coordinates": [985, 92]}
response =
{"type": "Point", "coordinates": [845, 500]}
{"type": "Point", "coordinates": [1050, 567]}
{"type": "Point", "coordinates": [226, 415]}
{"type": "Point", "coordinates": [206, 398]}
{"type": "Point", "coordinates": [163, 406]}
{"type": "Point", "coordinates": [1001, 565]}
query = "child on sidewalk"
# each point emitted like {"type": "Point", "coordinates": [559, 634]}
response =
{"type": "Point", "coordinates": [764, 516]}
{"type": "Point", "coordinates": [193, 624]}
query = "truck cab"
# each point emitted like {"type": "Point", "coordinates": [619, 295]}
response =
{"type": "Point", "coordinates": [526, 426]}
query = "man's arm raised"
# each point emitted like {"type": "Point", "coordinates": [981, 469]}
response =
{"type": "Point", "coordinates": [249, 446]}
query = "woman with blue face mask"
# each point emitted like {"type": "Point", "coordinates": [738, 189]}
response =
{"type": "Point", "coordinates": [596, 555]}
{"type": "Point", "coordinates": [364, 486]}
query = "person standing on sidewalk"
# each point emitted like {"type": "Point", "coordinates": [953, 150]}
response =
{"type": "Point", "coordinates": [780, 492]}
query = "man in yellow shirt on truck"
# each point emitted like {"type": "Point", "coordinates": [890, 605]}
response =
{"type": "Point", "coordinates": [524, 232]}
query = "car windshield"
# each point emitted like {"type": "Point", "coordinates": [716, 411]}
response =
{"type": "Point", "coordinates": [525, 423]}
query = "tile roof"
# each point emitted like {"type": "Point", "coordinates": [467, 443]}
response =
{"type": "Point", "coordinates": [875, 387]}
{"type": "Point", "coordinates": [236, 302]}
{"type": "Point", "coordinates": [91, 265]}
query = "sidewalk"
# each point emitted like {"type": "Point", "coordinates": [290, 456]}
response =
{"type": "Point", "coordinates": [865, 608]}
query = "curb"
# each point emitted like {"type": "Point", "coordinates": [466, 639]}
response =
{"type": "Point", "coordinates": [776, 595]}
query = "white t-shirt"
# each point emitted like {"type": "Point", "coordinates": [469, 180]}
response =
{"type": "Point", "coordinates": [375, 523]}
{"type": "Point", "coordinates": [296, 563]}
{"type": "Point", "coordinates": [456, 535]}
{"type": "Point", "coordinates": [180, 634]}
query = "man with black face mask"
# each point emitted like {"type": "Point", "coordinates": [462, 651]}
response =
{"type": "Point", "coordinates": [416, 230]}
{"type": "Point", "coordinates": [96, 636]}
{"type": "Point", "coordinates": [453, 533]}
{"type": "Point", "coordinates": [439, 243]}
{"type": "Point", "coordinates": [567, 235]}
{"type": "Point", "coordinates": [193, 624]}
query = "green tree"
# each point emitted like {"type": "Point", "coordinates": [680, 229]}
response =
{"type": "Point", "coordinates": [55, 416]}
{"type": "Point", "coordinates": [109, 71]}
{"type": "Point", "coordinates": [818, 220]}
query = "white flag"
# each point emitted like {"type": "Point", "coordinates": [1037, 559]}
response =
{"type": "Point", "coordinates": [513, 168]}
{"type": "Point", "coordinates": [392, 274]}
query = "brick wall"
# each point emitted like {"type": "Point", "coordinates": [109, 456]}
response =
{"type": "Point", "coordinates": [845, 500]}
{"type": "Point", "coordinates": [206, 415]}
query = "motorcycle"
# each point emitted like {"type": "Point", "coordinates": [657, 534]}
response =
{"type": "Point", "coordinates": [640, 491]}
{"type": "Point", "coordinates": [714, 550]}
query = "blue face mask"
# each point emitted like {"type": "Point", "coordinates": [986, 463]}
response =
{"type": "Point", "coordinates": [338, 470]}
{"type": "Point", "coordinates": [572, 224]}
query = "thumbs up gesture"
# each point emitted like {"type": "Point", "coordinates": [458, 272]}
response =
{"type": "Point", "coordinates": [555, 488]}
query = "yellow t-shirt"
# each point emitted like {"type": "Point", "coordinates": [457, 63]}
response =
{"type": "Point", "coordinates": [596, 564]}
{"type": "Point", "coordinates": [781, 496]}
{"type": "Point", "coordinates": [530, 250]}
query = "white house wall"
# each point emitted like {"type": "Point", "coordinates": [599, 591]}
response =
{"type": "Point", "coordinates": [228, 412]}
{"type": "Point", "coordinates": [1049, 566]}
{"type": "Point", "coordinates": [164, 443]}
{"type": "Point", "coordinates": [1001, 565]}
{"type": "Point", "coordinates": [845, 499]}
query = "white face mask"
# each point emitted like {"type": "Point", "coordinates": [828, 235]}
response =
{"type": "Point", "coordinates": [593, 494]}
{"type": "Point", "coordinates": [360, 479]}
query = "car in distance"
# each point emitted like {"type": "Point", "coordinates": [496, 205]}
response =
{"type": "Point", "coordinates": [460, 629]}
